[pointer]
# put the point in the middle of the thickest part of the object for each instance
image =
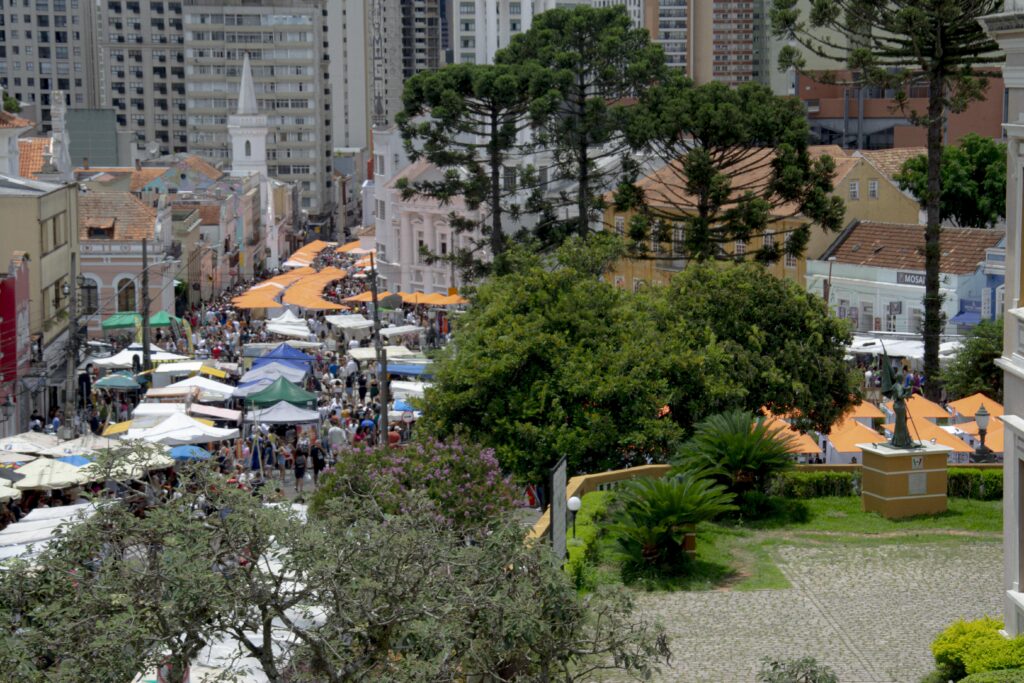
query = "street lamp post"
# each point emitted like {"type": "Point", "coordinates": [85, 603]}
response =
{"type": "Point", "coordinates": [574, 504]}
{"type": "Point", "coordinates": [828, 283]}
{"type": "Point", "coordinates": [982, 417]}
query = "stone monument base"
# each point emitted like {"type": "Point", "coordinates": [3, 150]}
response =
{"type": "Point", "coordinates": [903, 482]}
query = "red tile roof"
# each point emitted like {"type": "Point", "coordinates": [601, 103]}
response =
{"type": "Point", "coordinates": [9, 120]}
{"type": "Point", "coordinates": [890, 161]}
{"type": "Point", "coordinates": [32, 156]}
{"type": "Point", "coordinates": [901, 247]}
{"type": "Point", "coordinates": [130, 217]}
{"type": "Point", "coordinates": [200, 165]}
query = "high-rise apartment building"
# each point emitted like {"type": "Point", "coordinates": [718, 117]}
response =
{"type": "Point", "coordinates": [348, 25]}
{"type": "Point", "coordinates": [482, 27]}
{"type": "Point", "coordinates": [410, 29]}
{"type": "Point", "coordinates": [47, 45]}
{"type": "Point", "coordinates": [286, 41]}
{"type": "Point", "coordinates": [140, 71]}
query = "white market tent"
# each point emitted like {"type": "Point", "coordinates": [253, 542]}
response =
{"type": "Point", "coordinates": [83, 445]}
{"type": "Point", "coordinates": [353, 321]}
{"type": "Point", "coordinates": [179, 429]}
{"type": "Point", "coordinates": [36, 529]}
{"type": "Point", "coordinates": [272, 371]}
{"type": "Point", "coordinates": [404, 389]}
{"type": "Point", "coordinates": [8, 493]}
{"type": "Point", "coordinates": [900, 348]}
{"type": "Point", "coordinates": [400, 330]}
{"type": "Point", "coordinates": [123, 359]}
{"type": "Point", "coordinates": [370, 354]}
{"type": "Point", "coordinates": [283, 412]}
{"type": "Point", "coordinates": [209, 389]}
{"type": "Point", "coordinates": [253, 387]}
{"type": "Point", "coordinates": [289, 325]}
{"type": "Point", "coordinates": [182, 366]}
{"type": "Point", "coordinates": [28, 442]}
{"type": "Point", "coordinates": [48, 474]}
{"type": "Point", "coordinates": [151, 409]}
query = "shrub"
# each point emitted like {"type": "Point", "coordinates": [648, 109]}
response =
{"type": "Point", "coordinates": [463, 480]}
{"type": "Point", "coordinates": [740, 450]}
{"type": "Point", "coordinates": [801, 484]}
{"type": "Point", "coordinates": [805, 670]}
{"type": "Point", "coordinates": [974, 483]}
{"type": "Point", "coordinates": [954, 646]}
{"type": "Point", "coordinates": [1006, 676]}
{"type": "Point", "coordinates": [754, 505]}
{"type": "Point", "coordinates": [654, 515]}
{"type": "Point", "coordinates": [996, 655]}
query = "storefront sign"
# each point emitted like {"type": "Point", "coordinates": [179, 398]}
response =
{"type": "Point", "coordinates": [903, 278]}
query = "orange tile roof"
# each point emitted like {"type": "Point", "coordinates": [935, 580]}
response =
{"type": "Point", "coordinates": [32, 155]}
{"type": "Point", "coordinates": [132, 218]}
{"type": "Point", "coordinates": [993, 437]}
{"type": "Point", "coordinates": [200, 165]}
{"type": "Point", "coordinates": [890, 161]}
{"type": "Point", "coordinates": [846, 434]}
{"type": "Point", "coordinates": [140, 177]}
{"type": "Point", "coordinates": [898, 246]}
{"type": "Point", "coordinates": [798, 442]}
{"type": "Point", "coordinates": [9, 120]}
{"type": "Point", "coordinates": [920, 408]}
{"type": "Point", "coordinates": [866, 410]}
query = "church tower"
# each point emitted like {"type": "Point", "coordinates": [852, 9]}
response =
{"type": "Point", "coordinates": [248, 130]}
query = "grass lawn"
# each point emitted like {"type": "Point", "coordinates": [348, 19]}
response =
{"type": "Point", "coordinates": [737, 555]}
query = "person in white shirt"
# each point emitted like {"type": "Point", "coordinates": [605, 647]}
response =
{"type": "Point", "coordinates": [335, 437]}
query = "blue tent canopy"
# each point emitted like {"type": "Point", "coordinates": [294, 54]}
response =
{"type": "Point", "coordinates": [190, 453]}
{"type": "Point", "coordinates": [415, 370]}
{"type": "Point", "coordinates": [403, 405]}
{"type": "Point", "coordinates": [967, 318]}
{"type": "Point", "coordinates": [285, 352]}
{"type": "Point", "coordinates": [288, 362]}
{"type": "Point", "coordinates": [76, 460]}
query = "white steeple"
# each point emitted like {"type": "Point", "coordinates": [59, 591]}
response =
{"type": "Point", "coordinates": [248, 130]}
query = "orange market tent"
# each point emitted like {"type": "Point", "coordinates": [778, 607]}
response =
{"type": "Point", "coordinates": [305, 255]}
{"type": "Point", "coordinates": [347, 247]}
{"type": "Point", "coordinates": [455, 300]}
{"type": "Point", "coordinates": [308, 292]}
{"type": "Point", "coordinates": [845, 436]}
{"type": "Point", "coordinates": [415, 298]}
{"type": "Point", "coordinates": [261, 298]}
{"type": "Point", "coordinates": [926, 430]}
{"type": "Point", "coordinates": [968, 406]}
{"type": "Point", "coordinates": [801, 444]}
{"type": "Point", "coordinates": [993, 437]}
{"type": "Point", "coordinates": [366, 297]}
{"type": "Point", "coordinates": [920, 408]}
{"type": "Point", "coordinates": [866, 410]}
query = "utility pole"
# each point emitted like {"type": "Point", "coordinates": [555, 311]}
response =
{"type": "Point", "coordinates": [382, 359]}
{"type": "Point", "coordinates": [71, 377]}
{"type": "Point", "coordinates": [146, 362]}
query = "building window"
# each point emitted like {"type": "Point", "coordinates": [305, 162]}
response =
{"type": "Point", "coordinates": [872, 189]}
{"type": "Point", "coordinates": [679, 240]}
{"type": "Point", "coordinates": [740, 248]}
{"type": "Point", "coordinates": [90, 297]}
{"type": "Point", "coordinates": [126, 296]}
{"type": "Point", "coordinates": [248, 148]}
{"type": "Point", "coordinates": [854, 193]}
{"type": "Point", "coordinates": [769, 239]}
{"type": "Point", "coordinates": [789, 260]}
{"type": "Point", "coordinates": [378, 164]}
{"type": "Point", "coordinates": [381, 209]}
{"type": "Point", "coordinates": [620, 225]}
{"type": "Point", "coordinates": [510, 179]}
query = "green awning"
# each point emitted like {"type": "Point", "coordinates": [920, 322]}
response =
{"type": "Point", "coordinates": [121, 320]}
{"type": "Point", "coordinates": [283, 390]}
{"type": "Point", "coordinates": [162, 319]}
{"type": "Point", "coordinates": [117, 380]}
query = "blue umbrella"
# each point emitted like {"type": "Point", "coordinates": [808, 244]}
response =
{"type": "Point", "coordinates": [403, 405]}
{"type": "Point", "coordinates": [367, 423]}
{"type": "Point", "coordinates": [190, 453]}
{"type": "Point", "coordinates": [76, 460]}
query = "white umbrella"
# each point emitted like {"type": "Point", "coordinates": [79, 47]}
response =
{"type": "Point", "coordinates": [83, 445]}
{"type": "Point", "coordinates": [124, 358]}
{"type": "Point", "coordinates": [13, 458]}
{"type": "Point", "coordinates": [205, 386]}
{"type": "Point", "coordinates": [8, 493]}
{"type": "Point", "coordinates": [180, 430]}
{"type": "Point", "coordinates": [47, 474]}
{"type": "Point", "coordinates": [29, 442]}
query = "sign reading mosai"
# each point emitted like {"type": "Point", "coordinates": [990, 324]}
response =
{"type": "Point", "coordinates": [904, 278]}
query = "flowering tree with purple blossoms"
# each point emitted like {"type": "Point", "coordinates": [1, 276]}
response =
{"type": "Point", "coordinates": [463, 480]}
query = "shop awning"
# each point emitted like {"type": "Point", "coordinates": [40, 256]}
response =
{"type": "Point", "coordinates": [967, 318]}
{"type": "Point", "coordinates": [121, 320]}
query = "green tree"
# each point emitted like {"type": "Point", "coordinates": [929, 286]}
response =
{"type": "Point", "coordinates": [898, 44]}
{"type": "Point", "coordinates": [11, 104]}
{"type": "Point", "coordinates": [734, 163]}
{"type": "Point", "coordinates": [548, 362]}
{"type": "Point", "coordinates": [973, 181]}
{"type": "Point", "coordinates": [769, 343]}
{"type": "Point", "coordinates": [469, 121]}
{"type": "Point", "coordinates": [741, 450]}
{"type": "Point", "coordinates": [974, 368]}
{"type": "Point", "coordinates": [600, 63]}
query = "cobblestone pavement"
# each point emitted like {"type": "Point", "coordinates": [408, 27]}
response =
{"type": "Point", "coordinates": [869, 612]}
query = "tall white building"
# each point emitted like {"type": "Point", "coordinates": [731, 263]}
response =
{"type": "Point", "coordinates": [286, 41]}
{"type": "Point", "coordinates": [482, 27]}
{"type": "Point", "coordinates": [348, 28]}
{"type": "Point", "coordinates": [247, 128]}
{"type": "Point", "coordinates": [405, 39]}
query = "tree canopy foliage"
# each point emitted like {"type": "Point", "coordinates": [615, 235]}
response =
{"type": "Point", "coordinates": [729, 165]}
{"type": "Point", "coordinates": [899, 45]}
{"type": "Point", "coordinates": [550, 361]}
{"type": "Point", "coordinates": [973, 181]}
{"type": "Point", "coordinates": [11, 104]}
{"type": "Point", "coordinates": [974, 369]}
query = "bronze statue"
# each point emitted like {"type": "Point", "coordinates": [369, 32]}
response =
{"type": "Point", "coordinates": [893, 389]}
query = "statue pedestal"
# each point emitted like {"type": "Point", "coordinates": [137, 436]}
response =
{"type": "Point", "coordinates": [903, 482]}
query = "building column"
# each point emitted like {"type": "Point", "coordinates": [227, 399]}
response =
{"type": "Point", "coordinates": [408, 250]}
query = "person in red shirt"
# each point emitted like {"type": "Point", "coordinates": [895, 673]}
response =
{"type": "Point", "coordinates": [216, 352]}
{"type": "Point", "coordinates": [394, 437]}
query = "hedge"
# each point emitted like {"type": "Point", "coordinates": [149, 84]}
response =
{"type": "Point", "coordinates": [955, 648]}
{"type": "Point", "coordinates": [963, 482]}
{"type": "Point", "coordinates": [984, 484]}
{"type": "Point", "coordinates": [1007, 676]}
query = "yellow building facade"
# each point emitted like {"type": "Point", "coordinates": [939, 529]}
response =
{"type": "Point", "coordinates": [869, 195]}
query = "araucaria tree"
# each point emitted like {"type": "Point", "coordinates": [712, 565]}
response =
{"type": "Point", "coordinates": [898, 44]}
{"type": "Point", "coordinates": [734, 164]}
{"type": "Point", "coordinates": [470, 122]}
{"type": "Point", "coordinates": [600, 64]}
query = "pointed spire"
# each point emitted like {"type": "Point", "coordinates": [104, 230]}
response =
{"type": "Point", "coordinates": [246, 92]}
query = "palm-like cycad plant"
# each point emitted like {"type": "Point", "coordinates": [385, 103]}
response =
{"type": "Point", "coordinates": [655, 515]}
{"type": "Point", "coordinates": [740, 450]}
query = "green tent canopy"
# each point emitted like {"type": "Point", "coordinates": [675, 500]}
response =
{"type": "Point", "coordinates": [283, 390]}
{"type": "Point", "coordinates": [162, 319]}
{"type": "Point", "coordinates": [117, 380]}
{"type": "Point", "coordinates": [121, 320]}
